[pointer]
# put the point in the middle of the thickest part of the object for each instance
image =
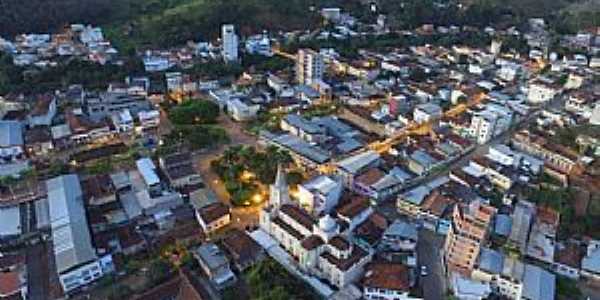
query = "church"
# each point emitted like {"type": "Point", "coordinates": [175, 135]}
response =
{"type": "Point", "coordinates": [322, 246]}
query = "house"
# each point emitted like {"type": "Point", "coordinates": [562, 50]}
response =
{"type": "Point", "coordinates": [242, 111]}
{"type": "Point", "coordinates": [302, 128]}
{"type": "Point", "coordinates": [149, 119]}
{"type": "Point", "coordinates": [379, 185]}
{"type": "Point", "coordinates": [38, 141]}
{"type": "Point", "coordinates": [590, 264]}
{"type": "Point", "coordinates": [421, 162]}
{"type": "Point", "coordinates": [542, 237]}
{"type": "Point", "coordinates": [104, 104]}
{"type": "Point", "coordinates": [122, 121]}
{"type": "Point", "coordinates": [389, 281]}
{"type": "Point", "coordinates": [567, 259]}
{"type": "Point", "coordinates": [355, 212]}
{"type": "Point", "coordinates": [11, 224]}
{"type": "Point", "coordinates": [400, 236]}
{"type": "Point", "coordinates": [179, 169]}
{"type": "Point", "coordinates": [215, 265]}
{"type": "Point", "coordinates": [213, 217]}
{"type": "Point", "coordinates": [540, 92]}
{"type": "Point", "coordinates": [43, 111]}
{"type": "Point", "coordinates": [13, 285]}
{"type": "Point", "coordinates": [319, 194]}
{"type": "Point", "coordinates": [522, 219]}
{"type": "Point", "coordinates": [351, 167]}
{"type": "Point", "coordinates": [11, 142]}
{"type": "Point", "coordinates": [426, 112]}
{"type": "Point", "coordinates": [82, 129]}
{"type": "Point", "coordinates": [147, 170]}
{"type": "Point", "coordinates": [242, 249]}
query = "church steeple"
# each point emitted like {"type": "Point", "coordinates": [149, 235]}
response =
{"type": "Point", "coordinates": [279, 190]}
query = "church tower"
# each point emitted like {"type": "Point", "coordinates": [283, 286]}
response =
{"type": "Point", "coordinates": [279, 190]}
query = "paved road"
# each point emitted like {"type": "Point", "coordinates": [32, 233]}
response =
{"type": "Point", "coordinates": [429, 253]}
{"type": "Point", "coordinates": [38, 271]}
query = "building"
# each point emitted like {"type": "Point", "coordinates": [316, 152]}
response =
{"type": "Point", "coordinates": [213, 217]}
{"type": "Point", "coordinates": [489, 123]}
{"type": "Point", "coordinates": [386, 281]}
{"type": "Point", "coordinates": [74, 256]}
{"type": "Point", "coordinates": [320, 194]}
{"type": "Point", "coordinates": [466, 236]}
{"type": "Point", "coordinates": [353, 166]}
{"type": "Point", "coordinates": [302, 128]}
{"type": "Point", "coordinates": [421, 162]}
{"type": "Point", "coordinates": [426, 112]}
{"type": "Point", "coordinates": [319, 247]}
{"type": "Point", "coordinates": [242, 111]}
{"type": "Point", "coordinates": [13, 285]}
{"type": "Point", "coordinates": [539, 92]}
{"type": "Point", "coordinates": [43, 111]}
{"type": "Point", "coordinates": [103, 105]}
{"type": "Point", "coordinates": [400, 236]}
{"type": "Point", "coordinates": [556, 156]}
{"type": "Point", "coordinates": [122, 121]}
{"type": "Point", "coordinates": [179, 170]}
{"type": "Point", "coordinates": [215, 265]}
{"type": "Point", "coordinates": [259, 44]}
{"type": "Point", "coordinates": [149, 119]}
{"type": "Point", "coordinates": [309, 67]}
{"type": "Point", "coordinates": [11, 142]}
{"type": "Point", "coordinates": [243, 250]}
{"type": "Point", "coordinates": [590, 264]}
{"type": "Point", "coordinates": [230, 43]}
{"type": "Point", "coordinates": [379, 185]}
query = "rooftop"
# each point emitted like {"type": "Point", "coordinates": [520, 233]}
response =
{"type": "Point", "coordinates": [213, 212]}
{"type": "Point", "coordinates": [354, 164]}
{"type": "Point", "coordinates": [389, 276]}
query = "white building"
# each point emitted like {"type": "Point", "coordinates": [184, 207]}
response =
{"type": "Point", "coordinates": [318, 246]}
{"type": "Point", "coordinates": [230, 43]}
{"type": "Point", "coordinates": [259, 44]}
{"type": "Point", "coordinates": [490, 122]}
{"type": "Point", "coordinates": [426, 112]}
{"type": "Point", "coordinates": [320, 194]}
{"type": "Point", "coordinates": [309, 67]}
{"type": "Point", "coordinates": [149, 119]}
{"type": "Point", "coordinates": [122, 120]}
{"type": "Point", "coordinates": [539, 93]}
{"type": "Point", "coordinates": [241, 111]}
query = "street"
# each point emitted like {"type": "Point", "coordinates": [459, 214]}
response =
{"type": "Point", "coordinates": [429, 253]}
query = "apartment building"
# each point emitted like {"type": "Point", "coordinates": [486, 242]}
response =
{"type": "Point", "coordinates": [464, 239]}
{"type": "Point", "coordinates": [309, 66]}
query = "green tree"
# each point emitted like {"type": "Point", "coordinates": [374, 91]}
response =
{"type": "Point", "coordinates": [195, 112]}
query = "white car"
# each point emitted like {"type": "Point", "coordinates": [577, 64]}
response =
{"type": "Point", "coordinates": [424, 271]}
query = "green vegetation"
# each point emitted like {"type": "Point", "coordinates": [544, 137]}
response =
{"type": "Point", "coordinates": [194, 112]}
{"type": "Point", "coordinates": [158, 271]}
{"type": "Point", "coordinates": [244, 170]}
{"type": "Point", "coordinates": [566, 288]}
{"type": "Point", "coordinates": [194, 126]}
{"type": "Point", "coordinates": [264, 121]}
{"type": "Point", "coordinates": [262, 286]}
{"type": "Point", "coordinates": [75, 71]}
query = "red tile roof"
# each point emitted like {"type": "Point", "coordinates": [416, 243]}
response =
{"type": "Point", "coordinates": [387, 276]}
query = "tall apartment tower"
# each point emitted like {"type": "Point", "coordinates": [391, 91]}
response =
{"type": "Point", "coordinates": [230, 43]}
{"type": "Point", "coordinates": [468, 232]}
{"type": "Point", "coordinates": [309, 66]}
